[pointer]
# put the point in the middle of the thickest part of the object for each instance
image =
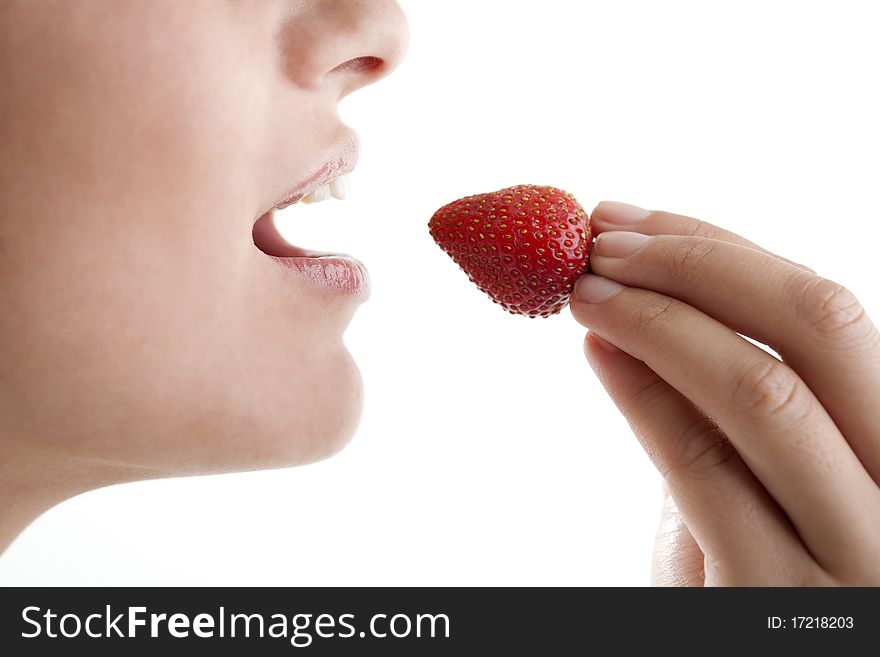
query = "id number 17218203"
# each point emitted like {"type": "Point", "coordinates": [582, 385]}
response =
{"type": "Point", "coordinates": [810, 623]}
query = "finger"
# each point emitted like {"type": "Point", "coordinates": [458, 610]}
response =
{"type": "Point", "coordinates": [610, 215]}
{"type": "Point", "coordinates": [730, 514]}
{"type": "Point", "coordinates": [677, 559]}
{"type": "Point", "coordinates": [773, 420]}
{"type": "Point", "coordinates": [817, 326]}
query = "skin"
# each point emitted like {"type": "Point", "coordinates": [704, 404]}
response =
{"type": "Point", "coordinates": [142, 333]}
{"type": "Point", "coordinates": [771, 465]}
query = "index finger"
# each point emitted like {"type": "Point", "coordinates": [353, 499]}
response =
{"type": "Point", "coordinates": [611, 215]}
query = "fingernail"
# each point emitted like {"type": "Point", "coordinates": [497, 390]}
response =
{"type": "Point", "coordinates": [622, 213]}
{"type": "Point", "coordinates": [595, 289]}
{"type": "Point", "coordinates": [618, 244]}
{"type": "Point", "coordinates": [602, 342]}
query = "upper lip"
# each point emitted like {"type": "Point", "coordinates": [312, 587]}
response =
{"type": "Point", "coordinates": [342, 160]}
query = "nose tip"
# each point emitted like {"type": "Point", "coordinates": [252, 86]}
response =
{"type": "Point", "coordinates": [384, 40]}
{"type": "Point", "coordinates": [346, 43]}
{"type": "Point", "coordinates": [399, 40]}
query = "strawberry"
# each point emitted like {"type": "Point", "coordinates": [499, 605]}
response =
{"type": "Point", "coordinates": [524, 246]}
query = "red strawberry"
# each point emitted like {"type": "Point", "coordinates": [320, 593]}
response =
{"type": "Point", "coordinates": [524, 246]}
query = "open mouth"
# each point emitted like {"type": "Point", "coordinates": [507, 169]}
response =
{"type": "Point", "coordinates": [266, 236]}
{"type": "Point", "coordinates": [268, 240]}
{"type": "Point", "coordinates": [334, 271]}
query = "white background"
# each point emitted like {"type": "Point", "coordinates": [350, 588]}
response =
{"type": "Point", "coordinates": [488, 452]}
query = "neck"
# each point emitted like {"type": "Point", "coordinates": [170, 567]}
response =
{"type": "Point", "coordinates": [32, 482]}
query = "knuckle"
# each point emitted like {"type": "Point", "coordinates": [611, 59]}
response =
{"type": "Point", "coordinates": [700, 228]}
{"type": "Point", "coordinates": [647, 394]}
{"type": "Point", "coordinates": [650, 314]}
{"type": "Point", "coordinates": [770, 390]}
{"type": "Point", "coordinates": [687, 257]}
{"type": "Point", "coordinates": [831, 310]}
{"type": "Point", "coordinates": [700, 450]}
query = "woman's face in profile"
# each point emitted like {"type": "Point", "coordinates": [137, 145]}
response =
{"type": "Point", "coordinates": [142, 329]}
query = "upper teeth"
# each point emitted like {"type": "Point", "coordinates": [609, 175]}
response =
{"type": "Point", "coordinates": [338, 188]}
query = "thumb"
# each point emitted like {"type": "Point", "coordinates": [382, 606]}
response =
{"type": "Point", "coordinates": [678, 560]}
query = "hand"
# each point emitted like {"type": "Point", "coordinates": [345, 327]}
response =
{"type": "Point", "coordinates": [773, 464]}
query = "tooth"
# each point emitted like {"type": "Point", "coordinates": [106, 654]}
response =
{"type": "Point", "coordinates": [340, 188]}
{"type": "Point", "coordinates": [321, 194]}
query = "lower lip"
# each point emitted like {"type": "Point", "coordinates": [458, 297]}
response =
{"type": "Point", "coordinates": [336, 272]}
{"type": "Point", "coordinates": [339, 273]}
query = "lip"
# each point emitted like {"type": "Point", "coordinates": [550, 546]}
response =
{"type": "Point", "coordinates": [341, 162]}
{"type": "Point", "coordinates": [337, 272]}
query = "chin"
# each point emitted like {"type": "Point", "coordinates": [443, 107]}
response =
{"type": "Point", "coordinates": [320, 421]}
{"type": "Point", "coordinates": [262, 422]}
{"type": "Point", "coordinates": [336, 424]}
